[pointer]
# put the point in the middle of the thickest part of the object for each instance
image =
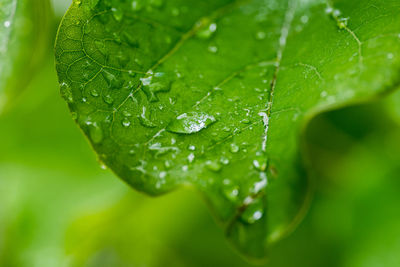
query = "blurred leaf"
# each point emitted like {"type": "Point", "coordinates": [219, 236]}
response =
{"type": "Point", "coordinates": [215, 94]}
{"type": "Point", "coordinates": [24, 37]}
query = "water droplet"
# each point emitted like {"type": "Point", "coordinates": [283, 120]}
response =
{"type": "Point", "coordinates": [168, 164]}
{"type": "Point", "coordinates": [260, 184]}
{"type": "Point", "coordinates": [192, 148]}
{"type": "Point", "coordinates": [191, 122]}
{"type": "Point", "coordinates": [230, 191]}
{"type": "Point", "coordinates": [7, 23]}
{"type": "Point", "coordinates": [191, 157]}
{"type": "Point", "coordinates": [163, 175]}
{"type": "Point", "coordinates": [108, 99]}
{"type": "Point", "coordinates": [342, 23]}
{"type": "Point", "coordinates": [213, 49]}
{"type": "Point", "coordinates": [260, 164]}
{"type": "Point", "coordinates": [207, 32]}
{"type": "Point", "coordinates": [213, 166]}
{"type": "Point", "coordinates": [253, 212]}
{"type": "Point", "coordinates": [126, 122]}
{"type": "Point", "coordinates": [118, 14]}
{"type": "Point", "coordinates": [234, 148]}
{"type": "Point", "coordinates": [94, 93]}
{"type": "Point", "coordinates": [260, 35]}
{"type": "Point", "coordinates": [126, 113]}
{"type": "Point", "coordinates": [136, 5]}
{"type": "Point", "coordinates": [224, 160]}
{"type": "Point", "coordinates": [304, 19]}
{"type": "Point", "coordinates": [329, 10]}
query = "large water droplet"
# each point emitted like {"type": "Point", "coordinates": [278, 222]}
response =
{"type": "Point", "coordinates": [191, 122]}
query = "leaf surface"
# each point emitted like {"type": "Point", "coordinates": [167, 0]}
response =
{"type": "Point", "coordinates": [215, 94]}
{"type": "Point", "coordinates": [24, 31]}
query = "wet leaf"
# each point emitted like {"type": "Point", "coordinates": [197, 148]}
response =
{"type": "Point", "coordinates": [24, 37]}
{"type": "Point", "coordinates": [215, 94]}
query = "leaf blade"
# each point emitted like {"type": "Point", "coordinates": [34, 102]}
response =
{"type": "Point", "coordinates": [258, 68]}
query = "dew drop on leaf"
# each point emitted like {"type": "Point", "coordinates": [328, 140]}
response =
{"type": "Point", "coordinates": [253, 212]}
{"type": "Point", "coordinates": [208, 31]}
{"type": "Point", "coordinates": [191, 122]}
{"type": "Point", "coordinates": [94, 93]}
{"type": "Point", "coordinates": [118, 14]}
{"type": "Point", "coordinates": [224, 160]}
{"type": "Point", "coordinates": [108, 99]}
{"type": "Point", "coordinates": [260, 35]}
{"type": "Point", "coordinates": [234, 148]}
{"type": "Point", "coordinates": [126, 122]}
{"type": "Point", "coordinates": [213, 165]}
{"type": "Point", "coordinates": [213, 49]}
{"type": "Point", "coordinates": [231, 192]}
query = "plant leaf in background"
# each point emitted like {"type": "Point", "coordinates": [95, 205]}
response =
{"type": "Point", "coordinates": [25, 28]}
{"type": "Point", "coordinates": [215, 94]}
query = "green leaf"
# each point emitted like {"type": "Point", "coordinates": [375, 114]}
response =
{"type": "Point", "coordinates": [215, 94]}
{"type": "Point", "coordinates": [24, 37]}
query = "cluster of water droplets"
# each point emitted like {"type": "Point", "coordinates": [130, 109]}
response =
{"type": "Point", "coordinates": [169, 145]}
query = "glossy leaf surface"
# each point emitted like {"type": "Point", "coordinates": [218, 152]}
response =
{"type": "Point", "coordinates": [215, 94]}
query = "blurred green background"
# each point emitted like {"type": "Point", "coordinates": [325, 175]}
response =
{"type": "Point", "coordinates": [58, 207]}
